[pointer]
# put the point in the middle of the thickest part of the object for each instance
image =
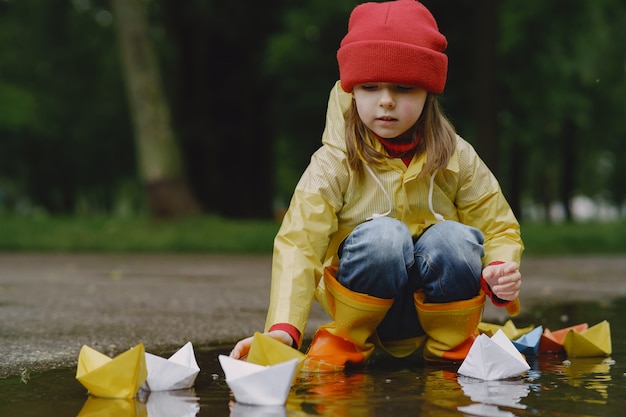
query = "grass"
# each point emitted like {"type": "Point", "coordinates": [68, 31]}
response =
{"type": "Point", "coordinates": [211, 234]}
{"type": "Point", "coordinates": [575, 238]}
{"type": "Point", "coordinates": [104, 234]}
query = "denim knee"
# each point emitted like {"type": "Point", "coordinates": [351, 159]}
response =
{"type": "Point", "coordinates": [449, 259]}
{"type": "Point", "coordinates": [375, 257]}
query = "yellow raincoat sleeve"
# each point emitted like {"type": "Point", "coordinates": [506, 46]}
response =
{"type": "Point", "coordinates": [302, 241]}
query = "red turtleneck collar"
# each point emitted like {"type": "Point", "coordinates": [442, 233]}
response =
{"type": "Point", "coordinates": [400, 148]}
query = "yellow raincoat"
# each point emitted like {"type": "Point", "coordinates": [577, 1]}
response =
{"type": "Point", "coordinates": [330, 200]}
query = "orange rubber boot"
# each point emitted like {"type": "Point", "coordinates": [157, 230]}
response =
{"type": "Point", "coordinates": [451, 327]}
{"type": "Point", "coordinates": [347, 339]}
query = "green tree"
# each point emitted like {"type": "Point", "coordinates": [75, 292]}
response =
{"type": "Point", "coordinates": [63, 137]}
{"type": "Point", "coordinates": [301, 58]}
{"type": "Point", "coordinates": [560, 79]}
{"type": "Point", "coordinates": [159, 159]}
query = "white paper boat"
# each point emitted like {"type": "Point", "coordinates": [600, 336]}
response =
{"type": "Point", "coordinates": [177, 372]}
{"type": "Point", "coordinates": [493, 358]}
{"type": "Point", "coordinates": [256, 384]}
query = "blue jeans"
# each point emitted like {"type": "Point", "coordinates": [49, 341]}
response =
{"type": "Point", "coordinates": [382, 259]}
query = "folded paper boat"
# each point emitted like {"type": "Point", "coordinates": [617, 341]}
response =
{"type": "Point", "coordinates": [595, 341]}
{"type": "Point", "coordinates": [266, 350]}
{"type": "Point", "coordinates": [509, 329]}
{"type": "Point", "coordinates": [553, 341]}
{"type": "Point", "coordinates": [120, 377]}
{"type": "Point", "coordinates": [257, 384]}
{"type": "Point", "coordinates": [528, 344]}
{"type": "Point", "coordinates": [177, 372]}
{"type": "Point", "coordinates": [493, 358]}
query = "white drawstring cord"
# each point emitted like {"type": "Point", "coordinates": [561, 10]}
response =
{"type": "Point", "coordinates": [438, 216]}
{"type": "Point", "coordinates": [376, 215]}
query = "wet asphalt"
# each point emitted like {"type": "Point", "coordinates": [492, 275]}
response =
{"type": "Point", "coordinates": [53, 304]}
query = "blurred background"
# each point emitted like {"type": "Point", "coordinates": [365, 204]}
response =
{"type": "Point", "coordinates": [169, 108]}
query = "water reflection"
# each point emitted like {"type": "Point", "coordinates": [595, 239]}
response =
{"type": "Point", "coordinates": [243, 410]}
{"type": "Point", "coordinates": [113, 407]}
{"type": "Point", "coordinates": [442, 389]}
{"type": "Point", "coordinates": [591, 374]}
{"type": "Point", "coordinates": [335, 394]}
{"type": "Point", "coordinates": [179, 403]}
{"type": "Point", "coordinates": [490, 395]}
{"type": "Point", "coordinates": [507, 393]}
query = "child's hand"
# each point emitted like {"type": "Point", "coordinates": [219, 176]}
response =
{"type": "Point", "coordinates": [241, 349]}
{"type": "Point", "coordinates": [504, 280]}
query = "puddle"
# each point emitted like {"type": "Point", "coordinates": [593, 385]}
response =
{"type": "Point", "coordinates": [555, 386]}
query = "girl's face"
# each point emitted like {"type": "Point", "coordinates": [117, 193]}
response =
{"type": "Point", "coordinates": [389, 109]}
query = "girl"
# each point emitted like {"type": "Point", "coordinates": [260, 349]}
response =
{"type": "Point", "coordinates": [396, 227]}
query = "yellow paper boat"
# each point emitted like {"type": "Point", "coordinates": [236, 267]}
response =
{"type": "Point", "coordinates": [113, 407]}
{"type": "Point", "coordinates": [120, 377]}
{"type": "Point", "coordinates": [553, 341]}
{"type": "Point", "coordinates": [508, 328]}
{"type": "Point", "coordinates": [595, 341]}
{"type": "Point", "coordinates": [267, 351]}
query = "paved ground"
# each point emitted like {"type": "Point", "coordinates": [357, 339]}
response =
{"type": "Point", "coordinates": [50, 305]}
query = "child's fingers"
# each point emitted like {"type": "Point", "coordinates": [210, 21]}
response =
{"type": "Point", "coordinates": [511, 268]}
{"type": "Point", "coordinates": [241, 349]}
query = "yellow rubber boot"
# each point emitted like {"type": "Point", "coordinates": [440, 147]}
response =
{"type": "Point", "coordinates": [347, 339]}
{"type": "Point", "coordinates": [451, 327]}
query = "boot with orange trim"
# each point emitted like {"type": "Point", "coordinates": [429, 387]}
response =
{"type": "Point", "coordinates": [451, 327]}
{"type": "Point", "coordinates": [347, 340]}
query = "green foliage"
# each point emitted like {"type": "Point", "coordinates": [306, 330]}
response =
{"type": "Point", "coordinates": [135, 234]}
{"type": "Point", "coordinates": [574, 238]}
{"type": "Point", "coordinates": [563, 109]}
{"type": "Point", "coordinates": [248, 86]}
{"type": "Point", "coordinates": [18, 108]}
{"type": "Point", "coordinates": [301, 56]}
{"type": "Point", "coordinates": [63, 120]}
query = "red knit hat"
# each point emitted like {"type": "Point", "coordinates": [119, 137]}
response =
{"type": "Point", "coordinates": [396, 41]}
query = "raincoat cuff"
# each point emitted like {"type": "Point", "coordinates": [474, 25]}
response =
{"type": "Point", "coordinates": [293, 332]}
{"type": "Point", "coordinates": [498, 302]}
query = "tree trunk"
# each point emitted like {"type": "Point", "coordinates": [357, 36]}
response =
{"type": "Point", "coordinates": [516, 175]}
{"type": "Point", "coordinates": [568, 167]}
{"type": "Point", "coordinates": [159, 157]}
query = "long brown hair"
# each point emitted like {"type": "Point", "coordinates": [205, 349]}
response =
{"type": "Point", "coordinates": [438, 138]}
